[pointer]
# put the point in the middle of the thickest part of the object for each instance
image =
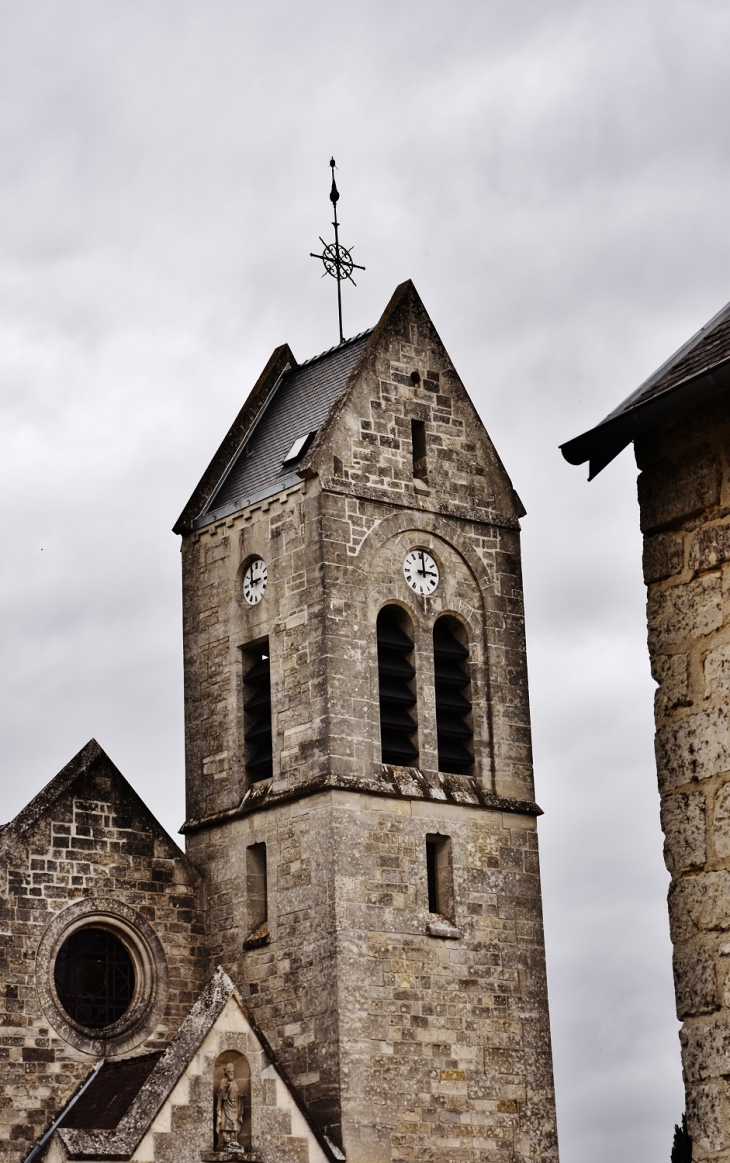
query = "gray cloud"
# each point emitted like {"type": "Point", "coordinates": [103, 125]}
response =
{"type": "Point", "coordinates": [554, 178]}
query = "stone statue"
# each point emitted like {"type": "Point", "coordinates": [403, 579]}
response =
{"type": "Point", "coordinates": [228, 1110]}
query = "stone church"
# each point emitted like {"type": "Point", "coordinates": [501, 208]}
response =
{"type": "Point", "coordinates": [679, 423]}
{"type": "Point", "coordinates": [347, 961]}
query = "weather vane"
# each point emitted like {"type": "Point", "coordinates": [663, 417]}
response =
{"type": "Point", "coordinates": [337, 259]}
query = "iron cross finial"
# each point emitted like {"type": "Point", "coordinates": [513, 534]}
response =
{"type": "Point", "coordinates": [337, 259]}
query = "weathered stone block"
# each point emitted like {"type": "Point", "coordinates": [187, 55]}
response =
{"type": "Point", "coordinates": [663, 556]}
{"type": "Point", "coordinates": [671, 491]}
{"type": "Point", "coordinates": [685, 611]}
{"type": "Point", "coordinates": [694, 748]}
{"type": "Point", "coordinates": [716, 670]}
{"type": "Point", "coordinates": [671, 671]}
{"type": "Point", "coordinates": [695, 981]}
{"type": "Point", "coordinates": [721, 822]}
{"type": "Point", "coordinates": [705, 1049]}
{"type": "Point", "coordinates": [710, 547]}
{"type": "Point", "coordinates": [683, 823]}
{"type": "Point", "coordinates": [699, 903]}
{"type": "Point", "coordinates": [707, 1116]}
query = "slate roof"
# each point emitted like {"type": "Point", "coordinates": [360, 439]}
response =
{"type": "Point", "coordinates": [299, 405]}
{"type": "Point", "coordinates": [108, 1097]}
{"type": "Point", "coordinates": [697, 371]}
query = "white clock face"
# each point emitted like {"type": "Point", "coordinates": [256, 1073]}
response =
{"type": "Point", "coordinates": [420, 571]}
{"type": "Point", "coordinates": [254, 581]}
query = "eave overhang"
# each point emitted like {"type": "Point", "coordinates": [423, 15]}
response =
{"type": "Point", "coordinates": [600, 445]}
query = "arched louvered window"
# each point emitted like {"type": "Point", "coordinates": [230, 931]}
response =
{"type": "Point", "coordinates": [257, 712]}
{"type": "Point", "coordinates": [397, 698]}
{"type": "Point", "coordinates": [453, 704]}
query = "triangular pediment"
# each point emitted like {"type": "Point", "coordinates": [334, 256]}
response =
{"type": "Point", "coordinates": [162, 1094]}
{"type": "Point", "coordinates": [90, 774]}
{"type": "Point", "coordinates": [405, 374]}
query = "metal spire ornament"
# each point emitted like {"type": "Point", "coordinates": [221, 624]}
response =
{"type": "Point", "coordinates": [337, 259]}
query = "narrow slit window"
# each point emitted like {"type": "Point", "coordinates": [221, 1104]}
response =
{"type": "Point", "coordinates": [257, 712]}
{"type": "Point", "coordinates": [440, 876]}
{"type": "Point", "coordinates": [418, 442]}
{"type": "Point", "coordinates": [256, 890]}
{"type": "Point", "coordinates": [397, 698]}
{"type": "Point", "coordinates": [453, 702]}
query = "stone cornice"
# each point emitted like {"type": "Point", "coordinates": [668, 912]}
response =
{"type": "Point", "coordinates": [419, 503]}
{"type": "Point", "coordinates": [404, 783]}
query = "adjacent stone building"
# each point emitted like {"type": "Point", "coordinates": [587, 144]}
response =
{"type": "Point", "coordinates": [348, 960]}
{"type": "Point", "coordinates": [679, 421]}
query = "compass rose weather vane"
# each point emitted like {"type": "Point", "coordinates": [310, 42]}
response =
{"type": "Point", "coordinates": [337, 259]}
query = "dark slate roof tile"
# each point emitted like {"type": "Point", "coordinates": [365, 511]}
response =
{"type": "Point", "coordinates": [106, 1100]}
{"type": "Point", "coordinates": [300, 405]}
{"type": "Point", "coordinates": [708, 346]}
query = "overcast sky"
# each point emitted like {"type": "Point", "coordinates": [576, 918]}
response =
{"type": "Point", "coordinates": [554, 177]}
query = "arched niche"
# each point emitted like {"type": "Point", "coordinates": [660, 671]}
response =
{"type": "Point", "coordinates": [232, 1102]}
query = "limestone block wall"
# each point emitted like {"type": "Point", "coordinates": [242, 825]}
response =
{"type": "Point", "coordinates": [480, 585]}
{"type": "Point", "coordinates": [416, 1046]}
{"type": "Point", "coordinates": [217, 624]}
{"type": "Point", "coordinates": [289, 978]}
{"type": "Point", "coordinates": [93, 853]}
{"type": "Point", "coordinates": [684, 494]}
{"type": "Point", "coordinates": [333, 560]}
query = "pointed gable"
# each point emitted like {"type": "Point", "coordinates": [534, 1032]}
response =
{"type": "Point", "coordinates": [142, 1108]}
{"type": "Point", "coordinates": [405, 375]}
{"type": "Point", "coordinates": [294, 407]}
{"type": "Point", "coordinates": [81, 777]}
{"type": "Point", "coordinates": [86, 861]}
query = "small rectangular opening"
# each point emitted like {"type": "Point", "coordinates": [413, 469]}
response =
{"type": "Point", "coordinates": [298, 448]}
{"type": "Point", "coordinates": [256, 890]}
{"type": "Point", "coordinates": [418, 441]}
{"type": "Point", "coordinates": [440, 875]}
{"type": "Point", "coordinates": [257, 712]}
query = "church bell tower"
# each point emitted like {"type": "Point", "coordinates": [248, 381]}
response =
{"type": "Point", "coordinates": [360, 794]}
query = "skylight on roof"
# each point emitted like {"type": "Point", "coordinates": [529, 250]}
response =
{"type": "Point", "coordinates": [298, 448]}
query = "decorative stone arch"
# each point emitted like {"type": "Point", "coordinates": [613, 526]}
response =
{"type": "Point", "coordinates": [440, 533]}
{"type": "Point", "coordinates": [410, 521]}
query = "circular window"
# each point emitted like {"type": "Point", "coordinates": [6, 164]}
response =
{"type": "Point", "coordinates": [94, 978]}
{"type": "Point", "coordinates": [101, 976]}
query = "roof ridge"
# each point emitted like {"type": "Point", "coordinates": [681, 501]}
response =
{"type": "Point", "coordinates": [331, 350]}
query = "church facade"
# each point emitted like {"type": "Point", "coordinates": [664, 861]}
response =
{"type": "Point", "coordinates": [348, 961]}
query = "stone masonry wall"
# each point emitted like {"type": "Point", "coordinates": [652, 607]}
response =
{"type": "Point", "coordinates": [440, 1046]}
{"type": "Point", "coordinates": [92, 846]}
{"type": "Point", "coordinates": [684, 493]}
{"type": "Point", "coordinates": [217, 624]}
